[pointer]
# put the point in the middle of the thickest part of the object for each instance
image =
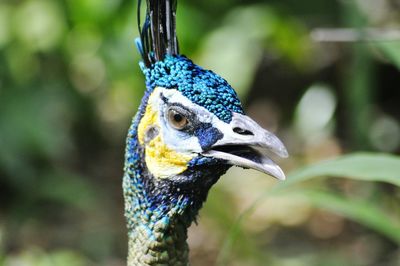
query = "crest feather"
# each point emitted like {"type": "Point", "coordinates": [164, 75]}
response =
{"type": "Point", "coordinates": [158, 33]}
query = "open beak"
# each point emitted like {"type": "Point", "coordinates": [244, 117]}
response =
{"type": "Point", "coordinates": [247, 145]}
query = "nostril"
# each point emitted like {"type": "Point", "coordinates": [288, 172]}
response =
{"type": "Point", "coordinates": [242, 131]}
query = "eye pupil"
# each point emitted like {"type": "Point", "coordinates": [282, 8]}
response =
{"type": "Point", "coordinates": [178, 118]}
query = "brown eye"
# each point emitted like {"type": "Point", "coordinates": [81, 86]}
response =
{"type": "Point", "coordinates": [177, 120]}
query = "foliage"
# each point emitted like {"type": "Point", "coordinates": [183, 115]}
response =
{"type": "Point", "coordinates": [362, 167]}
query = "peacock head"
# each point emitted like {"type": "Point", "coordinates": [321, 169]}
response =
{"type": "Point", "coordinates": [193, 120]}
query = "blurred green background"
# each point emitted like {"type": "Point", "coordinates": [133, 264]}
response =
{"type": "Point", "coordinates": [70, 84]}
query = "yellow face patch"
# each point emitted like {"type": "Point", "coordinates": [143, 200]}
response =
{"type": "Point", "coordinates": [161, 160]}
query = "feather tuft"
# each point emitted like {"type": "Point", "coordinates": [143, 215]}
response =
{"type": "Point", "coordinates": [158, 32]}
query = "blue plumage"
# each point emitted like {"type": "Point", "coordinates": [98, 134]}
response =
{"type": "Point", "coordinates": [202, 87]}
{"type": "Point", "coordinates": [207, 135]}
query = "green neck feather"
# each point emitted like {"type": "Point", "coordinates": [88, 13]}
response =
{"type": "Point", "coordinates": [158, 240]}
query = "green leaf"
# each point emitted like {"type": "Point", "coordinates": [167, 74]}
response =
{"type": "Point", "coordinates": [363, 212]}
{"type": "Point", "coordinates": [358, 166]}
{"type": "Point", "coordinates": [391, 50]}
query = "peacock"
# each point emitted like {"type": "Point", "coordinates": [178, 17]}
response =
{"type": "Point", "coordinates": [190, 128]}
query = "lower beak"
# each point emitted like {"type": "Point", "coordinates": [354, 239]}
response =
{"type": "Point", "coordinates": [248, 145]}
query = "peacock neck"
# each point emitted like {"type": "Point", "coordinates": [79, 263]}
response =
{"type": "Point", "coordinates": [157, 225]}
{"type": "Point", "coordinates": [157, 235]}
{"type": "Point", "coordinates": [153, 248]}
{"type": "Point", "coordinates": [158, 212]}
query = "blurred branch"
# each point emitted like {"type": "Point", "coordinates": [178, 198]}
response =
{"type": "Point", "coordinates": [354, 35]}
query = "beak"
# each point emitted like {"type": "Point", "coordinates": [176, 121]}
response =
{"type": "Point", "coordinates": [247, 145]}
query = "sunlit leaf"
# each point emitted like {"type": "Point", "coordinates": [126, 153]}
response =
{"type": "Point", "coordinates": [40, 24]}
{"type": "Point", "coordinates": [358, 166]}
{"type": "Point", "coordinates": [391, 50]}
{"type": "Point", "coordinates": [234, 49]}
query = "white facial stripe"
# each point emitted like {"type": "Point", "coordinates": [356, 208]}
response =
{"type": "Point", "coordinates": [175, 139]}
{"type": "Point", "coordinates": [175, 96]}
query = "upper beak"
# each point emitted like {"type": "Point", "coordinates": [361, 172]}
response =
{"type": "Point", "coordinates": [246, 144]}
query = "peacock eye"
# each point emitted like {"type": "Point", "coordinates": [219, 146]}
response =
{"type": "Point", "coordinates": [176, 119]}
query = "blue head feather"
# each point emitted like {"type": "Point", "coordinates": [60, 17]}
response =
{"type": "Point", "coordinates": [202, 87]}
